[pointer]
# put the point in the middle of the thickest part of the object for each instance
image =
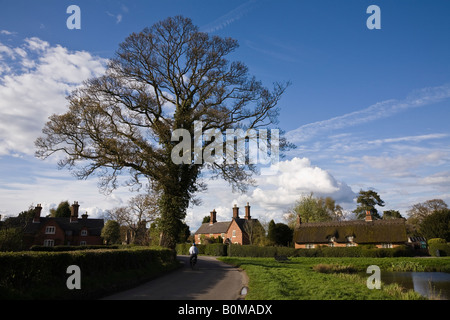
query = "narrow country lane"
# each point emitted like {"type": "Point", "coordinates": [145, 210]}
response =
{"type": "Point", "coordinates": [211, 279]}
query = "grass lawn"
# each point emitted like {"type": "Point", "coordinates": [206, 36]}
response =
{"type": "Point", "coordinates": [296, 279]}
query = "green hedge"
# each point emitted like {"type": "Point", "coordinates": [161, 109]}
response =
{"type": "Point", "coordinates": [438, 247]}
{"type": "Point", "coordinates": [359, 251]}
{"type": "Point", "coordinates": [71, 248]}
{"type": "Point", "coordinates": [235, 250]}
{"type": "Point", "coordinates": [43, 275]}
{"type": "Point", "coordinates": [256, 251]}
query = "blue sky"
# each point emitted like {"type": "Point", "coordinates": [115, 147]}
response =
{"type": "Point", "coordinates": [366, 108]}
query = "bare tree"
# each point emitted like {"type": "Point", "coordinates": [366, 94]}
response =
{"type": "Point", "coordinates": [140, 211]}
{"type": "Point", "coordinates": [163, 78]}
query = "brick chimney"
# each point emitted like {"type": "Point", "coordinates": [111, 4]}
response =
{"type": "Point", "coordinates": [235, 212]}
{"type": "Point", "coordinates": [212, 219]}
{"type": "Point", "coordinates": [299, 220]}
{"type": "Point", "coordinates": [74, 212]}
{"type": "Point", "coordinates": [247, 212]}
{"type": "Point", "coordinates": [368, 216]}
{"type": "Point", "coordinates": [37, 214]}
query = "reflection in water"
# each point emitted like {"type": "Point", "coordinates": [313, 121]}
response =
{"type": "Point", "coordinates": [429, 284]}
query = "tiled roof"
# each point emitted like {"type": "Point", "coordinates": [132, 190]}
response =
{"type": "Point", "coordinates": [94, 226]}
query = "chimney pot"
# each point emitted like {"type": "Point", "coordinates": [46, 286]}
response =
{"type": "Point", "coordinates": [235, 212]}
{"type": "Point", "coordinates": [247, 212]}
{"type": "Point", "coordinates": [368, 216]}
{"type": "Point", "coordinates": [37, 214]}
{"type": "Point", "coordinates": [74, 212]}
{"type": "Point", "coordinates": [212, 219]}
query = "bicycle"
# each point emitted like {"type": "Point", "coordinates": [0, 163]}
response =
{"type": "Point", "coordinates": [193, 261]}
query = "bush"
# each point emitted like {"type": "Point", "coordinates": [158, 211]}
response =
{"type": "Point", "coordinates": [438, 247]}
{"type": "Point", "coordinates": [236, 250]}
{"type": "Point", "coordinates": [216, 249]}
{"type": "Point", "coordinates": [359, 251]}
{"type": "Point", "coordinates": [71, 248]}
{"type": "Point", "coordinates": [42, 275]}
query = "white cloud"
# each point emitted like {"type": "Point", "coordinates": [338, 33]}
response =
{"type": "Point", "coordinates": [374, 112]}
{"type": "Point", "coordinates": [35, 86]}
{"type": "Point", "coordinates": [404, 163]}
{"type": "Point", "coordinates": [229, 17]}
{"type": "Point", "coordinates": [299, 177]}
{"type": "Point", "coordinates": [6, 32]}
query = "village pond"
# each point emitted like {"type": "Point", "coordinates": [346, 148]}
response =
{"type": "Point", "coordinates": [433, 285]}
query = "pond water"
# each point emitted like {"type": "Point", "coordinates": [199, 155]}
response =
{"type": "Point", "coordinates": [434, 285]}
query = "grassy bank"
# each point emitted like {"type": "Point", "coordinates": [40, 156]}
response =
{"type": "Point", "coordinates": [303, 279]}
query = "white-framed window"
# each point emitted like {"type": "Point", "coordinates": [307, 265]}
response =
{"type": "Point", "coordinates": [49, 243]}
{"type": "Point", "coordinates": [83, 243]}
{"type": "Point", "coordinates": [234, 233]}
{"type": "Point", "coordinates": [84, 232]}
{"type": "Point", "coordinates": [310, 246]}
{"type": "Point", "coordinates": [50, 230]}
{"type": "Point", "coordinates": [387, 245]}
{"type": "Point", "coordinates": [351, 244]}
{"type": "Point", "coordinates": [350, 238]}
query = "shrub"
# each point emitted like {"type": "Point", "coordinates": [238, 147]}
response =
{"type": "Point", "coordinates": [360, 251]}
{"type": "Point", "coordinates": [216, 249]}
{"type": "Point", "coordinates": [236, 250]}
{"type": "Point", "coordinates": [42, 275]}
{"type": "Point", "coordinates": [438, 247]}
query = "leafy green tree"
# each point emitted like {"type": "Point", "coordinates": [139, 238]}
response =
{"type": "Point", "coordinates": [367, 200]}
{"type": "Point", "coordinates": [391, 214]}
{"type": "Point", "coordinates": [62, 211]}
{"type": "Point", "coordinates": [111, 232]}
{"type": "Point", "coordinates": [271, 232]}
{"type": "Point", "coordinates": [312, 209]}
{"type": "Point", "coordinates": [163, 78]}
{"type": "Point", "coordinates": [436, 225]}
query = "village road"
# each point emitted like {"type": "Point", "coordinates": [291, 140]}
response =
{"type": "Point", "coordinates": [211, 279]}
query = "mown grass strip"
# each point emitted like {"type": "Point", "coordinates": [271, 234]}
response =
{"type": "Point", "coordinates": [297, 279]}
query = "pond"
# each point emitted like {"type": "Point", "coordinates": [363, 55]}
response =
{"type": "Point", "coordinates": [433, 285]}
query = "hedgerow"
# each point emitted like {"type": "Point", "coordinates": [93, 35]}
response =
{"type": "Point", "coordinates": [43, 275]}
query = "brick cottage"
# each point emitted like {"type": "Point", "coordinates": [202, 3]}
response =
{"type": "Point", "coordinates": [237, 231]}
{"type": "Point", "coordinates": [73, 231]}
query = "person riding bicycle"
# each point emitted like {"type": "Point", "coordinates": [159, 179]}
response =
{"type": "Point", "coordinates": [193, 251]}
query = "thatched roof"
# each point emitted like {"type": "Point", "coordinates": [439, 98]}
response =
{"type": "Point", "coordinates": [363, 232]}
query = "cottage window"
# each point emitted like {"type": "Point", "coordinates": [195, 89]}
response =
{"type": "Point", "coordinates": [234, 233]}
{"type": "Point", "coordinates": [83, 243]}
{"type": "Point", "coordinates": [50, 230]}
{"type": "Point", "coordinates": [350, 238]}
{"type": "Point", "coordinates": [309, 246]}
{"type": "Point", "coordinates": [84, 232]}
{"type": "Point", "coordinates": [49, 243]}
{"type": "Point", "coordinates": [387, 245]}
